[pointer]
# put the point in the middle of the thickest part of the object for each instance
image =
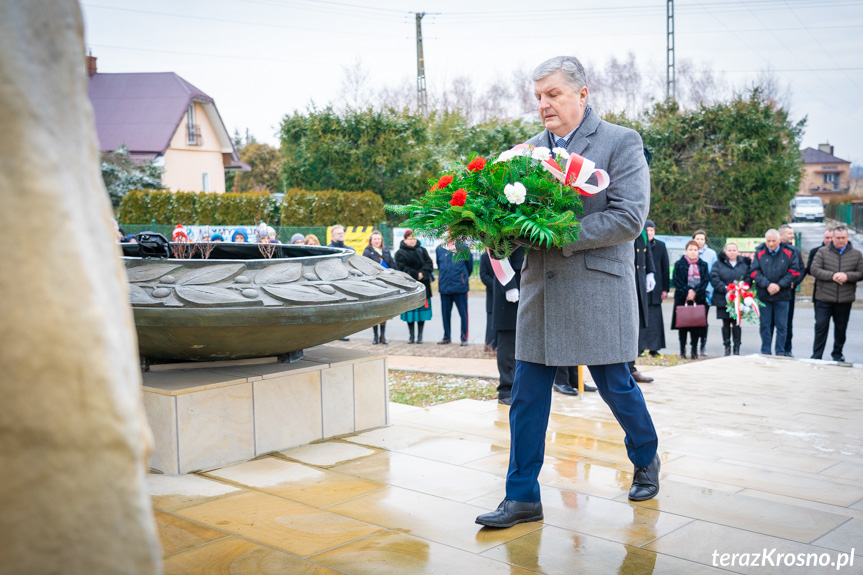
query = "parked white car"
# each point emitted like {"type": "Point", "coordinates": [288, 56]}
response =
{"type": "Point", "coordinates": [807, 208]}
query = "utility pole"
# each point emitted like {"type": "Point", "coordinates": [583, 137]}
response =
{"type": "Point", "coordinates": [422, 96]}
{"type": "Point", "coordinates": [670, 81]}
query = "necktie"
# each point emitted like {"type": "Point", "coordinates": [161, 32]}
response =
{"type": "Point", "coordinates": [560, 143]}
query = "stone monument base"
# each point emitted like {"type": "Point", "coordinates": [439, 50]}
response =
{"type": "Point", "coordinates": [210, 415]}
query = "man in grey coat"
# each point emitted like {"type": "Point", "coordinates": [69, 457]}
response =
{"type": "Point", "coordinates": [577, 304]}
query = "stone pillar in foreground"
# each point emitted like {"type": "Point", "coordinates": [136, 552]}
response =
{"type": "Point", "coordinates": [73, 434]}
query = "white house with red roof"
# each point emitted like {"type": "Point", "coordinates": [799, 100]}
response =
{"type": "Point", "coordinates": [162, 117]}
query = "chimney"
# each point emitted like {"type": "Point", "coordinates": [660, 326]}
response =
{"type": "Point", "coordinates": [91, 64]}
{"type": "Point", "coordinates": [826, 148]}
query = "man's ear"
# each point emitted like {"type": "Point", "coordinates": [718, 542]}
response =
{"type": "Point", "coordinates": [582, 95]}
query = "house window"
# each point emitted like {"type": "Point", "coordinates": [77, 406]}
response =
{"type": "Point", "coordinates": [831, 180]}
{"type": "Point", "coordinates": [193, 130]}
{"type": "Point", "coordinates": [205, 181]}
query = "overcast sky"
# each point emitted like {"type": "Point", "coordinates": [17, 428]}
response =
{"type": "Point", "coordinates": [262, 59]}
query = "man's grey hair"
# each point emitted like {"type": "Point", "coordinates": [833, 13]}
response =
{"type": "Point", "coordinates": [840, 229]}
{"type": "Point", "coordinates": [338, 227]}
{"type": "Point", "coordinates": [784, 227]}
{"type": "Point", "coordinates": [568, 66]}
{"type": "Point", "coordinates": [771, 233]}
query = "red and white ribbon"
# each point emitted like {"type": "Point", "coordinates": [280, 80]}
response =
{"type": "Point", "coordinates": [578, 171]}
{"type": "Point", "coordinates": [738, 294]}
{"type": "Point", "coordinates": [502, 269]}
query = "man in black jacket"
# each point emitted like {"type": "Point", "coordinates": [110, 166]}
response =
{"type": "Point", "coordinates": [645, 282]}
{"type": "Point", "coordinates": [652, 338]}
{"type": "Point", "coordinates": [774, 270]}
{"type": "Point", "coordinates": [786, 236]}
{"type": "Point", "coordinates": [504, 313]}
{"type": "Point", "coordinates": [486, 274]}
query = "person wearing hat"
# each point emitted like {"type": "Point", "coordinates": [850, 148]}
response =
{"type": "Point", "coordinates": [179, 235]}
{"type": "Point", "coordinates": [652, 338]}
{"type": "Point", "coordinates": [217, 238]}
{"type": "Point", "coordinates": [239, 236]}
{"type": "Point", "coordinates": [298, 239]}
{"type": "Point", "coordinates": [271, 233]}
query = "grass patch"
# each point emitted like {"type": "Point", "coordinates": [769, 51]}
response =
{"type": "Point", "coordinates": [661, 360]}
{"type": "Point", "coordinates": [426, 389]}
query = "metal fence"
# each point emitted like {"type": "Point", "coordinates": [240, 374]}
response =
{"type": "Point", "coordinates": [850, 214]}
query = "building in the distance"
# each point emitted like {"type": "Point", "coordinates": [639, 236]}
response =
{"type": "Point", "coordinates": [824, 175]}
{"type": "Point", "coordinates": [162, 117]}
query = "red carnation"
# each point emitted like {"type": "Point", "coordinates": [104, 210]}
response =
{"type": "Point", "coordinates": [476, 164]}
{"type": "Point", "coordinates": [443, 182]}
{"type": "Point", "coordinates": [458, 197]}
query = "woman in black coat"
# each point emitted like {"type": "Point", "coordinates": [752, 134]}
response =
{"type": "Point", "coordinates": [378, 252]}
{"type": "Point", "coordinates": [414, 260]}
{"type": "Point", "coordinates": [690, 279]}
{"type": "Point", "coordinates": [729, 267]}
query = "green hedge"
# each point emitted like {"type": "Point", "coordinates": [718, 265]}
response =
{"type": "Point", "coordinates": [299, 208]}
{"type": "Point", "coordinates": [166, 207]}
{"type": "Point", "coordinates": [329, 207]}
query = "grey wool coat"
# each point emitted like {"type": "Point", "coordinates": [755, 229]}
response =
{"type": "Point", "coordinates": [578, 304]}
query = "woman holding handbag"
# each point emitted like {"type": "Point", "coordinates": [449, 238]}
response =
{"type": "Point", "coordinates": [690, 280]}
{"type": "Point", "coordinates": [730, 267]}
{"type": "Point", "coordinates": [378, 252]}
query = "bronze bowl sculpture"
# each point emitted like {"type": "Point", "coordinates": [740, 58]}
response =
{"type": "Point", "coordinates": [242, 302]}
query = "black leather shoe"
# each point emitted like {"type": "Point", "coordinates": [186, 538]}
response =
{"type": "Point", "coordinates": [645, 481]}
{"type": "Point", "coordinates": [505, 400]}
{"type": "Point", "coordinates": [511, 513]}
{"type": "Point", "coordinates": [444, 341]}
{"type": "Point", "coordinates": [588, 387]}
{"type": "Point", "coordinates": [565, 389]}
{"type": "Point", "coordinates": [840, 358]}
{"type": "Point", "coordinates": [641, 378]}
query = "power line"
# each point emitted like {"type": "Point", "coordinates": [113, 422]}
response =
{"type": "Point", "coordinates": [757, 53]}
{"type": "Point", "coordinates": [791, 50]}
{"type": "Point", "coordinates": [241, 22]}
{"type": "Point", "coordinates": [303, 60]}
{"type": "Point", "coordinates": [640, 9]}
{"type": "Point", "coordinates": [334, 8]}
{"type": "Point", "coordinates": [288, 4]}
{"type": "Point", "coordinates": [815, 38]}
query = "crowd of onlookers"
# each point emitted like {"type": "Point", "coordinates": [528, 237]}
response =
{"type": "Point", "coordinates": [700, 279]}
{"type": "Point", "coordinates": [777, 268]}
{"type": "Point", "coordinates": [264, 235]}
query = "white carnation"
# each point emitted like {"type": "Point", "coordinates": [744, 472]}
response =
{"type": "Point", "coordinates": [515, 193]}
{"type": "Point", "coordinates": [507, 155]}
{"type": "Point", "coordinates": [540, 153]}
{"type": "Point", "coordinates": [560, 152]}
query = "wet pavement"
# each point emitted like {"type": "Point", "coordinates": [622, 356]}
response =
{"type": "Point", "coordinates": [761, 457]}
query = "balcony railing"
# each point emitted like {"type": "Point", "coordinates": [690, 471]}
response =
{"type": "Point", "coordinates": [193, 135]}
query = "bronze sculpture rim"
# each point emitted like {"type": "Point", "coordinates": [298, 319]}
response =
{"type": "Point", "coordinates": [218, 309]}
